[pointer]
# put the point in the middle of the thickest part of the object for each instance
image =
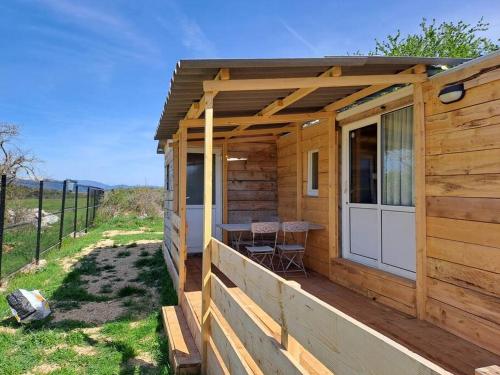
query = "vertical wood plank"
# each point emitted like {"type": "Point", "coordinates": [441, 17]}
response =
{"type": "Point", "coordinates": [420, 206]}
{"type": "Point", "coordinates": [207, 230]}
{"type": "Point", "coordinates": [333, 250]}
{"type": "Point", "coordinates": [224, 188]}
{"type": "Point", "coordinates": [298, 134]}
{"type": "Point", "coordinates": [182, 209]}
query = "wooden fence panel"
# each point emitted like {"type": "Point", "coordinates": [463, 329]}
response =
{"type": "Point", "coordinates": [227, 348]}
{"type": "Point", "coordinates": [260, 344]}
{"type": "Point", "coordinates": [342, 344]}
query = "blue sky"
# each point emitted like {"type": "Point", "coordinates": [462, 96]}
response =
{"type": "Point", "coordinates": [86, 80]}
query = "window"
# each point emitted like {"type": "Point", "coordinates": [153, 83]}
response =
{"type": "Point", "coordinates": [312, 173]}
{"type": "Point", "coordinates": [398, 182]}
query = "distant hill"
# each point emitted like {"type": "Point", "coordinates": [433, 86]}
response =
{"type": "Point", "coordinates": [57, 185]}
{"type": "Point", "coordinates": [110, 187]}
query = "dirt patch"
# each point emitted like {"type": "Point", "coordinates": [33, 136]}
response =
{"type": "Point", "coordinates": [33, 267]}
{"type": "Point", "coordinates": [92, 312]}
{"type": "Point", "coordinates": [8, 330]}
{"type": "Point", "coordinates": [115, 278]}
{"type": "Point", "coordinates": [142, 359]}
{"type": "Point", "coordinates": [117, 270]}
{"type": "Point", "coordinates": [115, 232]}
{"type": "Point", "coordinates": [67, 263]}
{"type": "Point", "coordinates": [84, 350]}
{"type": "Point", "coordinates": [44, 368]}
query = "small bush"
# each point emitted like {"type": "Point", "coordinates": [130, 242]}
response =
{"type": "Point", "coordinates": [139, 202]}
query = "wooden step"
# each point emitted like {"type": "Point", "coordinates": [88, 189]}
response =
{"type": "Point", "coordinates": [183, 353]}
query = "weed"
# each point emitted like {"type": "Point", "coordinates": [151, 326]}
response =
{"type": "Point", "coordinates": [130, 290]}
{"type": "Point", "coordinates": [123, 254]}
{"type": "Point", "coordinates": [108, 267]}
{"type": "Point", "coordinates": [106, 289]}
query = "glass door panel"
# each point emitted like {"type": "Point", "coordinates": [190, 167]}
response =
{"type": "Point", "coordinates": [363, 165]}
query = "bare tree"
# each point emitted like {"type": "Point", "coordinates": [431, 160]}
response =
{"type": "Point", "coordinates": [13, 160]}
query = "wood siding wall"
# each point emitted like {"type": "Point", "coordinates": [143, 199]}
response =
{"type": "Point", "coordinates": [251, 183]}
{"type": "Point", "coordinates": [314, 209]}
{"type": "Point", "coordinates": [170, 201]}
{"type": "Point", "coordinates": [463, 212]}
{"type": "Point", "coordinates": [383, 287]}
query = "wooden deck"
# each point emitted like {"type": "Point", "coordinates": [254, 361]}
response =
{"type": "Point", "coordinates": [447, 350]}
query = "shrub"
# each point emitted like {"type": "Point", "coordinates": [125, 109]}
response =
{"type": "Point", "coordinates": [140, 202]}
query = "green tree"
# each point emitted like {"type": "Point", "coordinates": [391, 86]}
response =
{"type": "Point", "coordinates": [447, 39]}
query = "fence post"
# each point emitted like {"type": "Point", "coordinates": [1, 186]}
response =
{"type": "Point", "coordinates": [87, 213]}
{"type": "Point", "coordinates": [94, 195]}
{"type": "Point", "coordinates": [2, 215]}
{"type": "Point", "coordinates": [39, 222]}
{"type": "Point", "coordinates": [75, 222]}
{"type": "Point", "coordinates": [63, 204]}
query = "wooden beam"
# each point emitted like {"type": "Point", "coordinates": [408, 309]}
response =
{"type": "Point", "coordinates": [417, 69]}
{"type": "Point", "coordinates": [207, 230]}
{"type": "Point", "coordinates": [266, 138]}
{"type": "Point", "coordinates": [182, 210]}
{"type": "Point", "coordinates": [420, 204]}
{"type": "Point", "coordinates": [256, 120]}
{"type": "Point", "coordinates": [311, 82]}
{"type": "Point", "coordinates": [298, 151]}
{"type": "Point", "coordinates": [278, 105]}
{"type": "Point", "coordinates": [197, 108]}
{"type": "Point", "coordinates": [248, 132]}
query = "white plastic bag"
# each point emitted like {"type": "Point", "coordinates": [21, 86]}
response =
{"type": "Point", "coordinates": [27, 306]}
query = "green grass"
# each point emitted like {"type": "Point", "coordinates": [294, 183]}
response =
{"type": "Point", "coordinates": [20, 242]}
{"type": "Point", "coordinates": [135, 334]}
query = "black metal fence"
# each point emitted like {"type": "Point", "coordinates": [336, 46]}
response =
{"type": "Point", "coordinates": [36, 216]}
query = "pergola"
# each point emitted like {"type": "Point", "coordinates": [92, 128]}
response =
{"type": "Point", "coordinates": [260, 100]}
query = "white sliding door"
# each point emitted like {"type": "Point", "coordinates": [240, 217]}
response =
{"type": "Point", "coordinates": [378, 192]}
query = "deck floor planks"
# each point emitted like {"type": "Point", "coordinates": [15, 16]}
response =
{"type": "Point", "coordinates": [445, 349]}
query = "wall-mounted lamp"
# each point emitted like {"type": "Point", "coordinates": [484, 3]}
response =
{"type": "Point", "coordinates": [236, 159]}
{"type": "Point", "coordinates": [452, 93]}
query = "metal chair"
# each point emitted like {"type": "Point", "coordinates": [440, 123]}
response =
{"type": "Point", "coordinates": [262, 253]}
{"type": "Point", "coordinates": [291, 251]}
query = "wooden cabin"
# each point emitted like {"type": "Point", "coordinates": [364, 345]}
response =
{"type": "Point", "coordinates": [395, 161]}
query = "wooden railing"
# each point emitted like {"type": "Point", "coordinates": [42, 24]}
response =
{"type": "Point", "coordinates": [314, 338]}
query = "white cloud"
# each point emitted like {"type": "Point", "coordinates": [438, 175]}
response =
{"type": "Point", "coordinates": [108, 25]}
{"type": "Point", "coordinates": [192, 35]}
{"type": "Point", "coordinates": [300, 38]}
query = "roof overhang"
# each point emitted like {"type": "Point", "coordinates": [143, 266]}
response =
{"type": "Point", "coordinates": [268, 88]}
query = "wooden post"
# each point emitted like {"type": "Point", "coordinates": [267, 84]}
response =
{"type": "Point", "coordinates": [298, 134]}
{"type": "Point", "coordinates": [224, 187]}
{"type": "Point", "coordinates": [333, 173]}
{"type": "Point", "coordinates": [420, 207]}
{"type": "Point", "coordinates": [207, 231]}
{"type": "Point", "coordinates": [182, 210]}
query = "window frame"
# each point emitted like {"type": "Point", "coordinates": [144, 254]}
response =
{"type": "Point", "coordinates": [310, 191]}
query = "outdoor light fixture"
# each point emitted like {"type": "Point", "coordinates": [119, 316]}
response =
{"type": "Point", "coordinates": [452, 93]}
{"type": "Point", "coordinates": [236, 159]}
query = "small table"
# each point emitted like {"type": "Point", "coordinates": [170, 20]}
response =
{"type": "Point", "coordinates": [236, 230]}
